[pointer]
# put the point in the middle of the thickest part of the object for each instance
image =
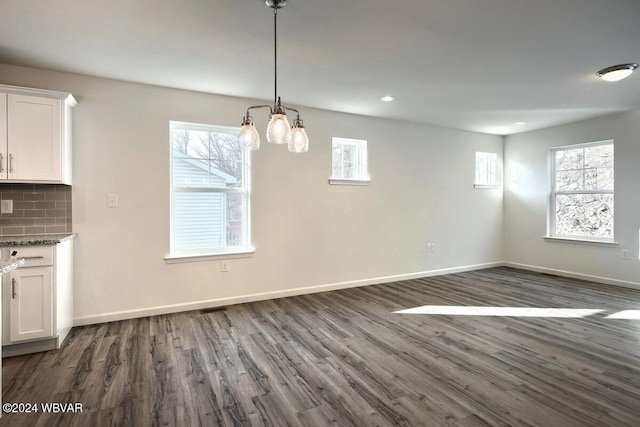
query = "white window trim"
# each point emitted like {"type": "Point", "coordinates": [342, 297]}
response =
{"type": "Point", "coordinates": [336, 181]}
{"type": "Point", "coordinates": [178, 259]}
{"type": "Point", "coordinates": [580, 241]}
{"type": "Point", "coordinates": [551, 217]}
{"type": "Point", "coordinates": [364, 160]}
{"type": "Point", "coordinates": [478, 185]}
{"type": "Point", "coordinates": [205, 254]}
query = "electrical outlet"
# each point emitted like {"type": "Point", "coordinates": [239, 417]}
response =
{"type": "Point", "coordinates": [431, 247]}
{"type": "Point", "coordinates": [6, 206]}
{"type": "Point", "coordinates": [625, 254]}
{"type": "Point", "coordinates": [224, 266]}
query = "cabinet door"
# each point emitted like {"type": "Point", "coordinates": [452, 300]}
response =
{"type": "Point", "coordinates": [34, 138]}
{"type": "Point", "coordinates": [31, 304]}
{"type": "Point", "coordinates": [3, 136]}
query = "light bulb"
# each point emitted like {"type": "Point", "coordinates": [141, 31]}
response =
{"type": "Point", "coordinates": [299, 141]}
{"type": "Point", "coordinates": [278, 130]}
{"type": "Point", "coordinates": [249, 137]}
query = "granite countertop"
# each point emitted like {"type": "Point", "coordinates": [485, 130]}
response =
{"type": "Point", "coordinates": [6, 265]}
{"type": "Point", "coordinates": [35, 240]}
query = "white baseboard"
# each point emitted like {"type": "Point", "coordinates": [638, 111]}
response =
{"type": "Point", "coordinates": [574, 275]}
{"type": "Point", "coordinates": [199, 305]}
{"type": "Point", "coordinates": [220, 302]}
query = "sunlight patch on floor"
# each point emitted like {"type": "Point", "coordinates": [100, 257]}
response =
{"type": "Point", "coordinates": [457, 310]}
{"type": "Point", "coordinates": [625, 314]}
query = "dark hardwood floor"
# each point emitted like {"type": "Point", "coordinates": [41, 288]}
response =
{"type": "Point", "coordinates": [345, 358]}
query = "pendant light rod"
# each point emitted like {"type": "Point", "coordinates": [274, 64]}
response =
{"type": "Point", "coordinates": [275, 54]}
{"type": "Point", "coordinates": [275, 5]}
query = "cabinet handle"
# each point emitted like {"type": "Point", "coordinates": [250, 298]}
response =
{"type": "Point", "coordinates": [13, 288]}
{"type": "Point", "coordinates": [34, 257]}
{"type": "Point", "coordinates": [1, 162]}
{"type": "Point", "coordinates": [10, 163]}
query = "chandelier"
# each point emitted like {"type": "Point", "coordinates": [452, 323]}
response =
{"type": "Point", "coordinates": [279, 131]}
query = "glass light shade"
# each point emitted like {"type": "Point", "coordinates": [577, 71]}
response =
{"type": "Point", "coordinates": [278, 130]}
{"type": "Point", "coordinates": [299, 141]}
{"type": "Point", "coordinates": [249, 137]}
{"type": "Point", "coordinates": [616, 72]}
{"type": "Point", "coordinates": [614, 76]}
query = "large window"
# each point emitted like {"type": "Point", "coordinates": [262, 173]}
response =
{"type": "Point", "coordinates": [582, 191]}
{"type": "Point", "coordinates": [209, 190]}
{"type": "Point", "coordinates": [349, 161]}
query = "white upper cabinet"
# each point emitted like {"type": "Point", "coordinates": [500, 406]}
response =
{"type": "Point", "coordinates": [35, 140]}
{"type": "Point", "coordinates": [3, 136]}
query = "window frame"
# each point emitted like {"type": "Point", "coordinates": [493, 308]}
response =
{"type": "Point", "coordinates": [553, 193]}
{"type": "Point", "coordinates": [364, 178]}
{"type": "Point", "coordinates": [234, 251]}
{"type": "Point", "coordinates": [490, 159]}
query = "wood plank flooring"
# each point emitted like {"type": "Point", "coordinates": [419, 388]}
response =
{"type": "Point", "coordinates": [344, 358]}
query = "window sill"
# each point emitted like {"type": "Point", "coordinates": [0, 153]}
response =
{"type": "Point", "coordinates": [336, 181]}
{"type": "Point", "coordinates": [486, 186]}
{"type": "Point", "coordinates": [199, 257]}
{"type": "Point", "coordinates": [577, 241]}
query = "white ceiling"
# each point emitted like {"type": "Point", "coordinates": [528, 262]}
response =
{"type": "Point", "coordinates": [480, 65]}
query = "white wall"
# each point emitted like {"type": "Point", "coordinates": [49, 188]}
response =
{"type": "Point", "coordinates": [526, 207]}
{"type": "Point", "coordinates": [306, 232]}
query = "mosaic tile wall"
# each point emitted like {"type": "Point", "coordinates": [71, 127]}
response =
{"type": "Point", "coordinates": [37, 209]}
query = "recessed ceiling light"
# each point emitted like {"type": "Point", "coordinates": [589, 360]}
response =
{"type": "Point", "coordinates": [387, 98]}
{"type": "Point", "coordinates": [616, 72]}
{"type": "Point", "coordinates": [520, 123]}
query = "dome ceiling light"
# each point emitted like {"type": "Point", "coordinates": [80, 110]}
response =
{"type": "Point", "coordinates": [616, 72]}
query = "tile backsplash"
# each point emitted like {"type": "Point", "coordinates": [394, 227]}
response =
{"type": "Point", "coordinates": [37, 209]}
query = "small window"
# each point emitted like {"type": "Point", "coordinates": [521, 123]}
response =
{"type": "Point", "coordinates": [486, 170]}
{"type": "Point", "coordinates": [209, 190]}
{"type": "Point", "coordinates": [349, 162]}
{"type": "Point", "coordinates": [581, 203]}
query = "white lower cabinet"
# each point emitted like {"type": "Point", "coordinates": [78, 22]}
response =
{"type": "Point", "coordinates": [37, 300]}
{"type": "Point", "coordinates": [31, 304]}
